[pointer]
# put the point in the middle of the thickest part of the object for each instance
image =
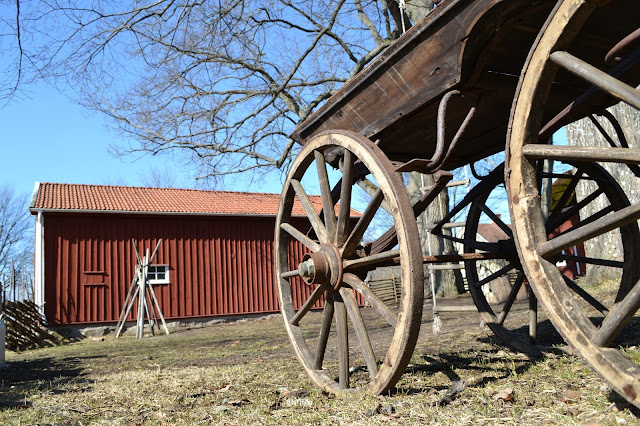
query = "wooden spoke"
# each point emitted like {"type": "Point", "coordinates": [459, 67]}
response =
{"type": "Point", "coordinates": [323, 338]}
{"type": "Point", "coordinates": [308, 242]}
{"type": "Point", "coordinates": [511, 298]}
{"type": "Point", "coordinates": [360, 171]}
{"type": "Point", "coordinates": [361, 332]}
{"type": "Point", "coordinates": [473, 244]}
{"type": "Point", "coordinates": [597, 78]}
{"type": "Point", "coordinates": [343, 343]}
{"type": "Point", "coordinates": [371, 298]}
{"type": "Point", "coordinates": [602, 225]}
{"type": "Point", "coordinates": [374, 259]}
{"type": "Point", "coordinates": [494, 217]}
{"type": "Point", "coordinates": [308, 304]}
{"type": "Point", "coordinates": [590, 260]}
{"type": "Point", "coordinates": [585, 295]}
{"type": "Point", "coordinates": [606, 134]}
{"type": "Point", "coordinates": [316, 223]}
{"type": "Point", "coordinates": [495, 311]}
{"type": "Point", "coordinates": [363, 223]}
{"type": "Point", "coordinates": [325, 192]}
{"type": "Point", "coordinates": [582, 153]}
{"type": "Point", "coordinates": [594, 217]}
{"type": "Point", "coordinates": [500, 272]}
{"type": "Point", "coordinates": [618, 318]}
{"type": "Point", "coordinates": [567, 194]}
{"type": "Point", "coordinates": [345, 199]}
{"type": "Point", "coordinates": [619, 132]}
{"type": "Point", "coordinates": [486, 184]}
{"type": "Point", "coordinates": [583, 105]}
{"type": "Point", "coordinates": [555, 221]}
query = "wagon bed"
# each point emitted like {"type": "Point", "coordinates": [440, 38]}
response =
{"type": "Point", "coordinates": [477, 47]}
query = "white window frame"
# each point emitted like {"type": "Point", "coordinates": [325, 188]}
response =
{"type": "Point", "coordinates": [153, 272]}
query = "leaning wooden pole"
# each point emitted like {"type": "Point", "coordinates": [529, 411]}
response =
{"type": "Point", "coordinates": [126, 307]}
{"type": "Point", "coordinates": [153, 294]}
{"type": "Point", "coordinates": [158, 310]}
{"type": "Point", "coordinates": [141, 295]}
{"type": "Point", "coordinates": [150, 315]}
{"type": "Point", "coordinates": [146, 300]}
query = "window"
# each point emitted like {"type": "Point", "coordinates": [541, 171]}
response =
{"type": "Point", "coordinates": [158, 274]}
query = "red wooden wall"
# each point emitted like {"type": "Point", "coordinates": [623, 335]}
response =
{"type": "Point", "coordinates": [218, 265]}
{"type": "Point", "coordinates": [570, 268]}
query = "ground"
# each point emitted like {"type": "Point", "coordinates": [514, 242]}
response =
{"type": "Point", "coordinates": [245, 373]}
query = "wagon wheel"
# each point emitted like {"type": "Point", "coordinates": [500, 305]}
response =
{"type": "Point", "coordinates": [517, 323]}
{"type": "Point", "coordinates": [335, 265]}
{"type": "Point", "coordinates": [503, 317]}
{"type": "Point", "coordinates": [554, 61]}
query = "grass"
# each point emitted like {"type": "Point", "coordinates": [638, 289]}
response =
{"type": "Point", "coordinates": [246, 373]}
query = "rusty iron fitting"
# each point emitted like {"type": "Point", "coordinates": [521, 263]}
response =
{"type": "Point", "coordinates": [314, 268]}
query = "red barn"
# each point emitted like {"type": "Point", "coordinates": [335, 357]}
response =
{"type": "Point", "coordinates": [215, 258]}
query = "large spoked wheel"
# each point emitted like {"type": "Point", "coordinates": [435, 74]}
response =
{"type": "Point", "coordinates": [510, 308]}
{"type": "Point", "coordinates": [566, 70]}
{"type": "Point", "coordinates": [327, 284]}
{"type": "Point", "coordinates": [497, 284]}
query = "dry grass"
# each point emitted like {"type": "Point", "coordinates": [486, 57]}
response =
{"type": "Point", "coordinates": [245, 373]}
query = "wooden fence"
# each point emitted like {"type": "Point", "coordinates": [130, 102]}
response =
{"type": "Point", "coordinates": [25, 327]}
{"type": "Point", "coordinates": [387, 289]}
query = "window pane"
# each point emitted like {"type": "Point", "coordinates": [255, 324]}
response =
{"type": "Point", "coordinates": [158, 274]}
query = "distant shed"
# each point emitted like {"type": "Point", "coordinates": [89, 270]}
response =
{"type": "Point", "coordinates": [215, 258]}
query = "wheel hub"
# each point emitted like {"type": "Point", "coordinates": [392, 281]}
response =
{"type": "Point", "coordinates": [323, 267]}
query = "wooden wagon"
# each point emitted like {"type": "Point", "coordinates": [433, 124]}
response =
{"type": "Point", "coordinates": [473, 78]}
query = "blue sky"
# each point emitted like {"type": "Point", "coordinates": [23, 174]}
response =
{"type": "Point", "coordinates": [47, 138]}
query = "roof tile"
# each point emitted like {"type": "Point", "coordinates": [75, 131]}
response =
{"type": "Point", "coordinates": [61, 196]}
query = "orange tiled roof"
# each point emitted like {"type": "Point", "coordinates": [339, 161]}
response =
{"type": "Point", "coordinates": [61, 196]}
{"type": "Point", "coordinates": [492, 232]}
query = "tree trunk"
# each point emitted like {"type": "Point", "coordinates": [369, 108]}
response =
{"type": "Point", "coordinates": [584, 133]}
{"type": "Point", "coordinates": [446, 281]}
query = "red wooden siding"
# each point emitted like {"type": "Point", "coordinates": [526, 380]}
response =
{"type": "Point", "coordinates": [571, 268]}
{"type": "Point", "coordinates": [218, 265]}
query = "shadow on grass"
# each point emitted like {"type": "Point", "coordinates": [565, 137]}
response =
{"type": "Point", "coordinates": [621, 404]}
{"type": "Point", "coordinates": [447, 364]}
{"type": "Point", "coordinates": [494, 365]}
{"type": "Point", "coordinates": [20, 379]}
{"type": "Point", "coordinates": [486, 358]}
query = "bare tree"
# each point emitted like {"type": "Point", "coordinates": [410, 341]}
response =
{"type": "Point", "coordinates": [223, 82]}
{"type": "Point", "coordinates": [446, 281]}
{"type": "Point", "coordinates": [159, 178]}
{"type": "Point", "coordinates": [15, 224]}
